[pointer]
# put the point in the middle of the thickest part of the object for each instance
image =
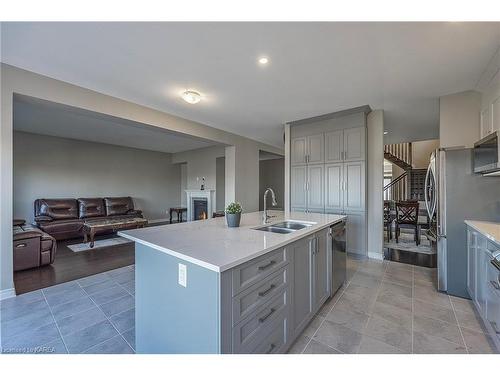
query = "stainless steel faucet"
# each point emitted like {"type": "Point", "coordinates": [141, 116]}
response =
{"type": "Point", "coordinates": [265, 216]}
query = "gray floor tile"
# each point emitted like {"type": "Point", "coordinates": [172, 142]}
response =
{"type": "Point", "coordinates": [394, 314]}
{"type": "Point", "coordinates": [80, 321]}
{"type": "Point", "coordinates": [477, 342]}
{"type": "Point", "coordinates": [118, 271]}
{"type": "Point", "coordinates": [316, 347]}
{"type": "Point", "coordinates": [65, 287]}
{"type": "Point", "coordinates": [431, 295]}
{"type": "Point", "coordinates": [129, 287]}
{"type": "Point", "coordinates": [100, 287]}
{"type": "Point", "coordinates": [313, 326]}
{"type": "Point", "coordinates": [78, 342]}
{"type": "Point", "coordinates": [438, 328]}
{"type": "Point", "coordinates": [65, 296]}
{"type": "Point", "coordinates": [338, 337]}
{"type": "Point", "coordinates": [397, 300]}
{"type": "Point", "coordinates": [21, 300]}
{"type": "Point", "coordinates": [118, 305]}
{"type": "Point", "coordinates": [297, 347]}
{"type": "Point", "coordinates": [369, 345]}
{"type": "Point", "coordinates": [15, 311]}
{"type": "Point", "coordinates": [366, 280]}
{"type": "Point", "coordinates": [389, 332]}
{"type": "Point", "coordinates": [130, 337]}
{"type": "Point", "coordinates": [462, 304]}
{"type": "Point", "coordinates": [73, 307]}
{"type": "Point", "coordinates": [115, 345]}
{"type": "Point", "coordinates": [124, 321]}
{"type": "Point", "coordinates": [124, 277]}
{"type": "Point", "coordinates": [434, 311]}
{"type": "Point", "coordinates": [425, 344]}
{"type": "Point", "coordinates": [109, 295]}
{"type": "Point", "coordinates": [27, 323]}
{"type": "Point", "coordinates": [54, 347]}
{"type": "Point", "coordinates": [394, 279]}
{"type": "Point", "coordinates": [396, 289]}
{"type": "Point", "coordinates": [348, 318]}
{"type": "Point", "coordinates": [357, 302]}
{"type": "Point", "coordinates": [36, 337]}
{"type": "Point", "coordinates": [469, 320]}
{"type": "Point", "coordinates": [94, 279]}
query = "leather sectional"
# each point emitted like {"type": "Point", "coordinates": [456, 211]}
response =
{"type": "Point", "coordinates": [32, 247]}
{"type": "Point", "coordinates": [64, 218]}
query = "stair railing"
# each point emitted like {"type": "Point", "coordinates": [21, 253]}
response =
{"type": "Point", "coordinates": [397, 189]}
{"type": "Point", "coordinates": [402, 151]}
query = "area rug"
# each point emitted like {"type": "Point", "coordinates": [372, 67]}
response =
{"type": "Point", "coordinates": [98, 244]}
{"type": "Point", "coordinates": [407, 243]}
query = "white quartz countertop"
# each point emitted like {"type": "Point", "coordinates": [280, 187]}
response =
{"type": "Point", "coordinates": [211, 244]}
{"type": "Point", "coordinates": [487, 228]}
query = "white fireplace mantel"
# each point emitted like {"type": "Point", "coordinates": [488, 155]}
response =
{"type": "Point", "coordinates": [195, 194]}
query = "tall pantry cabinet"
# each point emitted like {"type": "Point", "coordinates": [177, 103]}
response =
{"type": "Point", "coordinates": [328, 175]}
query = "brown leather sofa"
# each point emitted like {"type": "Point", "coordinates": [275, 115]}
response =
{"type": "Point", "coordinates": [32, 247]}
{"type": "Point", "coordinates": [64, 218]}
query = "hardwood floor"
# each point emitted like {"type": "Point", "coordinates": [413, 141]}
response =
{"type": "Point", "coordinates": [69, 265]}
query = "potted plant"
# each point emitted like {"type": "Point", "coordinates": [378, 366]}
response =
{"type": "Point", "coordinates": [233, 214]}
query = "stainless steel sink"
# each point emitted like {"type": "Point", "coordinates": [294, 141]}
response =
{"type": "Point", "coordinates": [285, 227]}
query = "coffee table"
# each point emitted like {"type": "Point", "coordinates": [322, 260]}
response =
{"type": "Point", "coordinates": [91, 228]}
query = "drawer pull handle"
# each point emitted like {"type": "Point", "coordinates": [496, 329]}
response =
{"type": "Point", "coordinates": [21, 245]}
{"type": "Point", "coordinates": [270, 264]}
{"type": "Point", "coordinates": [265, 317]}
{"type": "Point", "coordinates": [495, 284]}
{"type": "Point", "coordinates": [495, 328]}
{"type": "Point", "coordinates": [262, 294]}
{"type": "Point", "coordinates": [271, 348]}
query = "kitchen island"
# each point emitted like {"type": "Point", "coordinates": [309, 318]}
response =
{"type": "Point", "coordinates": [202, 287]}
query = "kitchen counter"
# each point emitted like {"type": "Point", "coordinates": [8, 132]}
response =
{"type": "Point", "coordinates": [487, 228]}
{"type": "Point", "coordinates": [212, 245]}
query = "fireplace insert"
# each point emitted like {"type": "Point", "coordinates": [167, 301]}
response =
{"type": "Point", "coordinates": [200, 209]}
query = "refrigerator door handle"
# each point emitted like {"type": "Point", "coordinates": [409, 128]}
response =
{"type": "Point", "coordinates": [426, 189]}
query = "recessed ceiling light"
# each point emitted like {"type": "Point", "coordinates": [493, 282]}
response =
{"type": "Point", "coordinates": [263, 60]}
{"type": "Point", "coordinates": [386, 132]}
{"type": "Point", "coordinates": [191, 97]}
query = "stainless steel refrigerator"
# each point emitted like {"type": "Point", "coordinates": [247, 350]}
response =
{"type": "Point", "coordinates": [454, 193]}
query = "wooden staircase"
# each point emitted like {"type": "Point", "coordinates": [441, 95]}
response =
{"type": "Point", "coordinates": [409, 185]}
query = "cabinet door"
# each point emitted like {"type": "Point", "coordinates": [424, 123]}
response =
{"type": "Point", "coordinates": [354, 144]}
{"type": "Point", "coordinates": [495, 115]}
{"type": "Point", "coordinates": [471, 264]}
{"type": "Point", "coordinates": [315, 188]}
{"type": "Point", "coordinates": [482, 259]}
{"type": "Point", "coordinates": [354, 186]}
{"type": "Point", "coordinates": [316, 148]}
{"type": "Point", "coordinates": [298, 180]}
{"type": "Point", "coordinates": [334, 194]}
{"type": "Point", "coordinates": [301, 305]}
{"type": "Point", "coordinates": [356, 233]}
{"type": "Point", "coordinates": [298, 150]}
{"type": "Point", "coordinates": [486, 123]}
{"type": "Point", "coordinates": [334, 146]}
{"type": "Point", "coordinates": [321, 287]}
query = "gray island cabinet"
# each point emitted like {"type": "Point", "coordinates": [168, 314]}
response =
{"type": "Point", "coordinates": [258, 303]}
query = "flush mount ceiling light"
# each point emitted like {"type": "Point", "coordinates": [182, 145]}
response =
{"type": "Point", "coordinates": [263, 60]}
{"type": "Point", "coordinates": [191, 97]}
{"type": "Point", "coordinates": [386, 132]}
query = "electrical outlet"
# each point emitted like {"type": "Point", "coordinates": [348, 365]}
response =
{"type": "Point", "coordinates": [182, 275]}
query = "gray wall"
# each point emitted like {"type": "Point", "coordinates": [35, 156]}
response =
{"type": "Point", "coordinates": [272, 174]}
{"type": "Point", "coordinates": [220, 182]}
{"type": "Point", "coordinates": [52, 167]}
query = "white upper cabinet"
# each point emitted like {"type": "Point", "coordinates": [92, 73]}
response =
{"type": "Point", "coordinates": [354, 144]}
{"type": "Point", "coordinates": [486, 123]}
{"type": "Point", "coordinates": [334, 146]}
{"type": "Point", "coordinates": [298, 187]}
{"type": "Point", "coordinates": [334, 198]}
{"type": "Point", "coordinates": [315, 186]}
{"type": "Point", "coordinates": [354, 186]}
{"type": "Point", "coordinates": [495, 115]}
{"type": "Point", "coordinates": [298, 151]}
{"type": "Point", "coordinates": [315, 148]}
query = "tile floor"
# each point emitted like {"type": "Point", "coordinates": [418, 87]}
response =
{"type": "Point", "coordinates": [95, 314]}
{"type": "Point", "coordinates": [389, 307]}
{"type": "Point", "coordinates": [385, 307]}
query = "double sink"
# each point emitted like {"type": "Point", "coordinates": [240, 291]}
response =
{"type": "Point", "coordinates": [286, 227]}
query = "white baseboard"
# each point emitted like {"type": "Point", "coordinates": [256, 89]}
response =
{"type": "Point", "coordinates": [155, 221]}
{"type": "Point", "coordinates": [375, 255]}
{"type": "Point", "coordinates": [7, 293]}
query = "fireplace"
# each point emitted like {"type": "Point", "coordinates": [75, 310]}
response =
{"type": "Point", "coordinates": [200, 209]}
{"type": "Point", "coordinates": [200, 204]}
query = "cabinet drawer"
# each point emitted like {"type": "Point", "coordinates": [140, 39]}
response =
{"type": "Point", "coordinates": [26, 253]}
{"type": "Point", "coordinates": [258, 269]}
{"type": "Point", "coordinates": [257, 325]}
{"type": "Point", "coordinates": [275, 341]}
{"type": "Point", "coordinates": [493, 308]}
{"type": "Point", "coordinates": [256, 296]}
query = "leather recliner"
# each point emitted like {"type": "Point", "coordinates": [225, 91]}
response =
{"type": "Point", "coordinates": [32, 247]}
{"type": "Point", "coordinates": [64, 218]}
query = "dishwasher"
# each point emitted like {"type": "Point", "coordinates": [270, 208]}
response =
{"type": "Point", "coordinates": [339, 256]}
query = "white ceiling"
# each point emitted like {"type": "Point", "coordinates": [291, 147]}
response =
{"type": "Point", "coordinates": [43, 117]}
{"type": "Point", "coordinates": [315, 68]}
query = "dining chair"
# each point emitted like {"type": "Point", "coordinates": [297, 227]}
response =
{"type": "Point", "coordinates": [407, 217]}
